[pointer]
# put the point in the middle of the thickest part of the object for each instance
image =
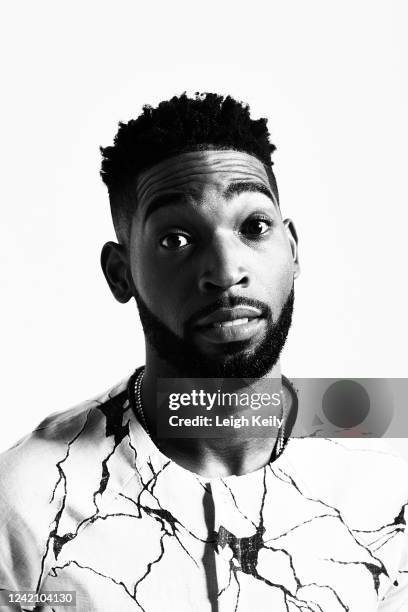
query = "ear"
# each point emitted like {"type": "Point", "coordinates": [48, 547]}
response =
{"type": "Point", "coordinates": [293, 242]}
{"type": "Point", "coordinates": [115, 267]}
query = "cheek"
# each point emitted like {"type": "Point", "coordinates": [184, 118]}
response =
{"type": "Point", "coordinates": [276, 279]}
{"type": "Point", "coordinates": [277, 267]}
{"type": "Point", "coordinates": [157, 278]}
{"type": "Point", "coordinates": [145, 274]}
{"type": "Point", "coordinates": [165, 294]}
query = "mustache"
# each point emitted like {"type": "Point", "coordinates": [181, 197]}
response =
{"type": "Point", "coordinates": [228, 302]}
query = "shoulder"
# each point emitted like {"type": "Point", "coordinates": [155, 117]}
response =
{"type": "Point", "coordinates": [34, 466]}
{"type": "Point", "coordinates": [355, 475]}
{"type": "Point", "coordinates": [349, 450]}
{"type": "Point", "coordinates": [44, 473]}
{"type": "Point", "coordinates": [353, 458]}
{"type": "Point", "coordinates": [32, 462]}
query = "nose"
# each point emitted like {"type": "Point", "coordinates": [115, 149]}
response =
{"type": "Point", "coordinates": [223, 266]}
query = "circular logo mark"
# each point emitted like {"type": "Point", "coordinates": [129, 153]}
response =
{"type": "Point", "coordinates": [346, 404]}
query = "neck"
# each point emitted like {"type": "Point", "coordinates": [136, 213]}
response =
{"type": "Point", "coordinates": [240, 450]}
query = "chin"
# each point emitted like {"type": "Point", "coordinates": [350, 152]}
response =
{"type": "Point", "coordinates": [231, 349]}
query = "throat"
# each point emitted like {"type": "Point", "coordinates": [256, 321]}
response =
{"type": "Point", "coordinates": [240, 440]}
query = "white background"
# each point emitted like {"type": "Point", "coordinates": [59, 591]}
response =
{"type": "Point", "coordinates": [332, 79]}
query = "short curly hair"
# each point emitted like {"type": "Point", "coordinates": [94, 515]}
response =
{"type": "Point", "coordinates": [178, 125]}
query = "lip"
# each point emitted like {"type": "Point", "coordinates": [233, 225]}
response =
{"type": "Point", "coordinates": [228, 315]}
{"type": "Point", "coordinates": [244, 330]}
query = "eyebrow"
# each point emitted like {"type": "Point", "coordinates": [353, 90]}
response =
{"type": "Point", "coordinates": [162, 201]}
{"type": "Point", "coordinates": [242, 186]}
{"type": "Point", "coordinates": [175, 199]}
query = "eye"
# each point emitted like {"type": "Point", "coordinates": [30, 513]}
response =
{"type": "Point", "coordinates": [256, 226]}
{"type": "Point", "coordinates": [174, 241]}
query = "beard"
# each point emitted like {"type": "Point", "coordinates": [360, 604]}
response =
{"type": "Point", "coordinates": [237, 360]}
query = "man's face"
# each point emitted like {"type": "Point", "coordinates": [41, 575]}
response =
{"type": "Point", "coordinates": [212, 264]}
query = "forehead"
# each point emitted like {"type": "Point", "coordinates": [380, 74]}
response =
{"type": "Point", "coordinates": [194, 172]}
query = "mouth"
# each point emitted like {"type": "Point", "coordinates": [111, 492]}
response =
{"type": "Point", "coordinates": [230, 325]}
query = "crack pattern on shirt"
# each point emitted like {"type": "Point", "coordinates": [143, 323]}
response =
{"type": "Point", "coordinates": [277, 561]}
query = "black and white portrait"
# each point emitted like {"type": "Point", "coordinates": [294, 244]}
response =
{"type": "Point", "coordinates": [202, 206]}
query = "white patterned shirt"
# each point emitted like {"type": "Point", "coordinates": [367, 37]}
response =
{"type": "Point", "coordinates": [89, 504]}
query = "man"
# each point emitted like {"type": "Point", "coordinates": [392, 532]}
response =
{"type": "Point", "coordinates": [99, 501]}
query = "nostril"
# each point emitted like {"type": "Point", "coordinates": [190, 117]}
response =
{"type": "Point", "coordinates": [216, 284]}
